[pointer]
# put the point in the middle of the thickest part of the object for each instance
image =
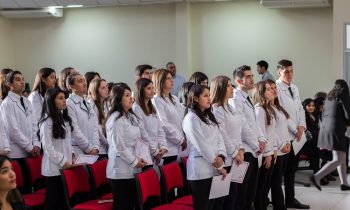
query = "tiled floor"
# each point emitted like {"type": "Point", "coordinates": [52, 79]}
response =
{"type": "Point", "coordinates": [330, 198]}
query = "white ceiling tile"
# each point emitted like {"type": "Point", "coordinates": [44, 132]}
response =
{"type": "Point", "coordinates": [129, 1]}
{"type": "Point", "coordinates": [8, 4]}
{"type": "Point", "coordinates": [87, 2]}
{"type": "Point", "coordinates": [27, 3]}
{"type": "Point", "coordinates": [65, 2]}
{"type": "Point", "coordinates": [46, 3]}
{"type": "Point", "coordinates": [107, 2]}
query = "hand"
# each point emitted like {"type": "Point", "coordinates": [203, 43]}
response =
{"type": "Point", "coordinates": [240, 156]}
{"type": "Point", "coordinates": [93, 152]}
{"type": "Point", "coordinates": [223, 172]}
{"type": "Point", "coordinates": [299, 133]}
{"type": "Point", "coordinates": [218, 162]}
{"type": "Point", "coordinates": [141, 163]}
{"type": "Point", "coordinates": [286, 148]}
{"type": "Point", "coordinates": [184, 145]}
{"type": "Point", "coordinates": [67, 166]}
{"type": "Point", "coordinates": [163, 151]}
{"type": "Point", "coordinates": [35, 151]}
{"type": "Point", "coordinates": [267, 161]}
{"type": "Point", "coordinates": [262, 146]}
{"type": "Point", "coordinates": [275, 156]}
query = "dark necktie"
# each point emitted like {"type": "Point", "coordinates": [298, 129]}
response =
{"type": "Point", "coordinates": [22, 103]}
{"type": "Point", "coordinates": [84, 102]}
{"type": "Point", "coordinates": [291, 92]}
{"type": "Point", "coordinates": [248, 98]}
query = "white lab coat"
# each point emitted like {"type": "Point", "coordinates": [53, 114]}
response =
{"type": "Point", "coordinates": [206, 144]}
{"type": "Point", "coordinates": [19, 125]}
{"type": "Point", "coordinates": [122, 136]}
{"type": "Point", "coordinates": [230, 128]}
{"type": "Point", "coordinates": [37, 102]}
{"type": "Point", "coordinates": [85, 120]}
{"type": "Point", "coordinates": [4, 142]}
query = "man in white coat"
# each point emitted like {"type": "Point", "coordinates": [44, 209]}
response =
{"type": "Point", "coordinates": [288, 95]}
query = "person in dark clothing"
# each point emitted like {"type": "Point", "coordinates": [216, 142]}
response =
{"type": "Point", "coordinates": [335, 120]}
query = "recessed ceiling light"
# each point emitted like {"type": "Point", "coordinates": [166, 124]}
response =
{"type": "Point", "coordinates": [56, 7]}
{"type": "Point", "coordinates": [74, 6]}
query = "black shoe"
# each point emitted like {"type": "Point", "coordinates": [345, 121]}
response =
{"type": "Point", "coordinates": [313, 181]}
{"type": "Point", "coordinates": [324, 181]}
{"type": "Point", "coordinates": [330, 178]}
{"type": "Point", "coordinates": [344, 187]}
{"type": "Point", "coordinates": [295, 204]}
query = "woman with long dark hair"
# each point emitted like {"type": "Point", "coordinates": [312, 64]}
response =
{"type": "Point", "coordinates": [335, 119]}
{"type": "Point", "coordinates": [63, 76]}
{"type": "Point", "coordinates": [207, 150]}
{"type": "Point", "coordinates": [123, 132]}
{"type": "Point", "coordinates": [10, 198]}
{"type": "Point", "coordinates": [55, 134]}
{"type": "Point", "coordinates": [199, 78]}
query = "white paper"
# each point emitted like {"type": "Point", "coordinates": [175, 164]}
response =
{"type": "Point", "coordinates": [297, 145]}
{"type": "Point", "coordinates": [142, 151]}
{"type": "Point", "coordinates": [260, 159]}
{"type": "Point", "coordinates": [86, 159]}
{"type": "Point", "coordinates": [239, 171]}
{"type": "Point", "coordinates": [219, 187]}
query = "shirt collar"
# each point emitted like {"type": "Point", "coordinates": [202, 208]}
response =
{"type": "Point", "coordinates": [244, 94]}
{"type": "Point", "coordinates": [76, 98]}
{"type": "Point", "coordinates": [14, 95]}
{"type": "Point", "coordinates": [282, 84]}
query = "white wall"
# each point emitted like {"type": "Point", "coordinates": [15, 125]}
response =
{"type": "Point", "coordinates": [111, 40]}
{"type": "Point", "coordinates": [6, 44]}
{"type": "Point", "coordinates": [226, 35]}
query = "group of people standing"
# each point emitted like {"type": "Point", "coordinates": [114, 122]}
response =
{"type": "Point", "coordinates": [214, 124]}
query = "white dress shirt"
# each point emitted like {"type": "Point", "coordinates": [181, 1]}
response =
{"type": "Point", "coordinates": [122, 135]}
{"type": "Point", "coordinates": [249, 131]}
{"type": "Point", "coordinates": [57, 152]}
{"type": "Point", "coordinates": [19, 125]}
{"type": "Point", "coordinates": [206, 144]}
{"type": "Point", "coordinates": [291, 104]}
{"type": "Point", "coordinates": [171, 116]}
{"type": "Point", "coordinates": [103, 140]}
{"type": "Point", "coordinates": [266, 132]}
{"type": "Point", "coordinates": [84, 119]}
{"type": "Point", "coordinates": [230, 128]}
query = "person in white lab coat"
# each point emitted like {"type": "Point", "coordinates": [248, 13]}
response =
{"type": "Point", "coordinates": [98, 97]}
{"type": "Point", "coordinates": [146, 112]}
{"type": "Point", "coordinates": [4, 143]}
{"type": "Point", "coordinates": [123, 132]}
{"type": "Point", "coordinates": [289, 98]}
{"type": "Point", "coordinates": [45, 79]}
{"type": "Point", "coordinates": [230, 127]}
{"type": "Point", "coordinates": [263, 97]}
{"type": "Point", "coordinates": [83, 116]}
{"type": "Point", "coordinates": [170, 113]}
{"type": "Point", "coordinates": [253, 146]}
{"type": "Point", "coordinates": [17, 115]}
{"type": "Point", "coordinates": [207, 150]}
{"type": "Point", "coordinates": [55, 134]}
{"type": "Point", "coordinates": [63, 77]}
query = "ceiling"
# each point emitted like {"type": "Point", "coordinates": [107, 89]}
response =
{"type": "Point", "coordinates": [20, 4]}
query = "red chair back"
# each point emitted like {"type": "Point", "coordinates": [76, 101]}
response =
{"type": "Point", "coordinates": [76, 180]}
{"type": "Point", "coordinates": [147, 185]}
{"type": "Point", "coordinates": [172, 176]}
{"type": "Point", "coordinates": [34, 166]}
{"type": "Point", "coordinates": [98, 172]}
{"type": "Point", "coordinates": [19, 176]}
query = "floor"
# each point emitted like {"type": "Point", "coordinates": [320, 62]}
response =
{"type": "Point", "coordinates": [331, 197]}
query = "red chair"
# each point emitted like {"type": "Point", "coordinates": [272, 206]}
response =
{"type": "Point", "coordinates": [149, 195]}
{"type": "Point", "coordinates": [99, 181]}
{"type": "Point", "coordinates": [30, 200]}
{"type": "Point", "coordinates": [37, 180]}
{"type": "Point", "coordinates": [77, 190]}
{"type": "Point", "coordinates": [172, 185]}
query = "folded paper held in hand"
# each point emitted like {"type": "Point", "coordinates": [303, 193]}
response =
{"type": "Point", "coordinates": [86, 159]}
{"type": "Point", "coordinates": [220, 188]}
{"type": "Point", "coordinates": [239, 171]}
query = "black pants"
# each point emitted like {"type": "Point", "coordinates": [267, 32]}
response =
{"type": "Point", "coordinates": [247, 190]}
{"type": "Point", "coordinates": [264, 180]}
{"type": "Point", "coordinates": [291, 166]}
{"type": "Point", "coordinates": [230, 200]}
{"type": "Point", "coordinates": [200, 193]}
{"type": "Point", "coordinates": [276, 185]}
{"type": "Point", "coordinates": [169, 159]}
{"type": "Point", "coordinates": [124, 193]}
{"type": "Point", "coordinates": [27, 186]}
{"type": "Point", "coordinates": [312, 151]}
{"type": "Point", "coordinates": [54, 195]}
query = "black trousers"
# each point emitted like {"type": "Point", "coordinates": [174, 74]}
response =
{"type": "Point", "coordinates": [230, 200]}
{"type": "Point", "coordinates": [291, 166]}
{"type": "Point", "coordinates": [276, 185]}
{"type": "Point", "coordinates": [247, 190]}
{"type": "Point", "coordinates": [200, 193]}
{"type": "Point", "coordinates": [54, 194]}
{"type": "Point", "coordinates": [27, 186]}
{"type": "Point", "coordinates": [264, 180]}
{"type": "Point", "coordinates": [312, 151]}
{"type": "Point", "coordinates": [124, 193]}
{"type": "Point", "coordinates": [169, 159]}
